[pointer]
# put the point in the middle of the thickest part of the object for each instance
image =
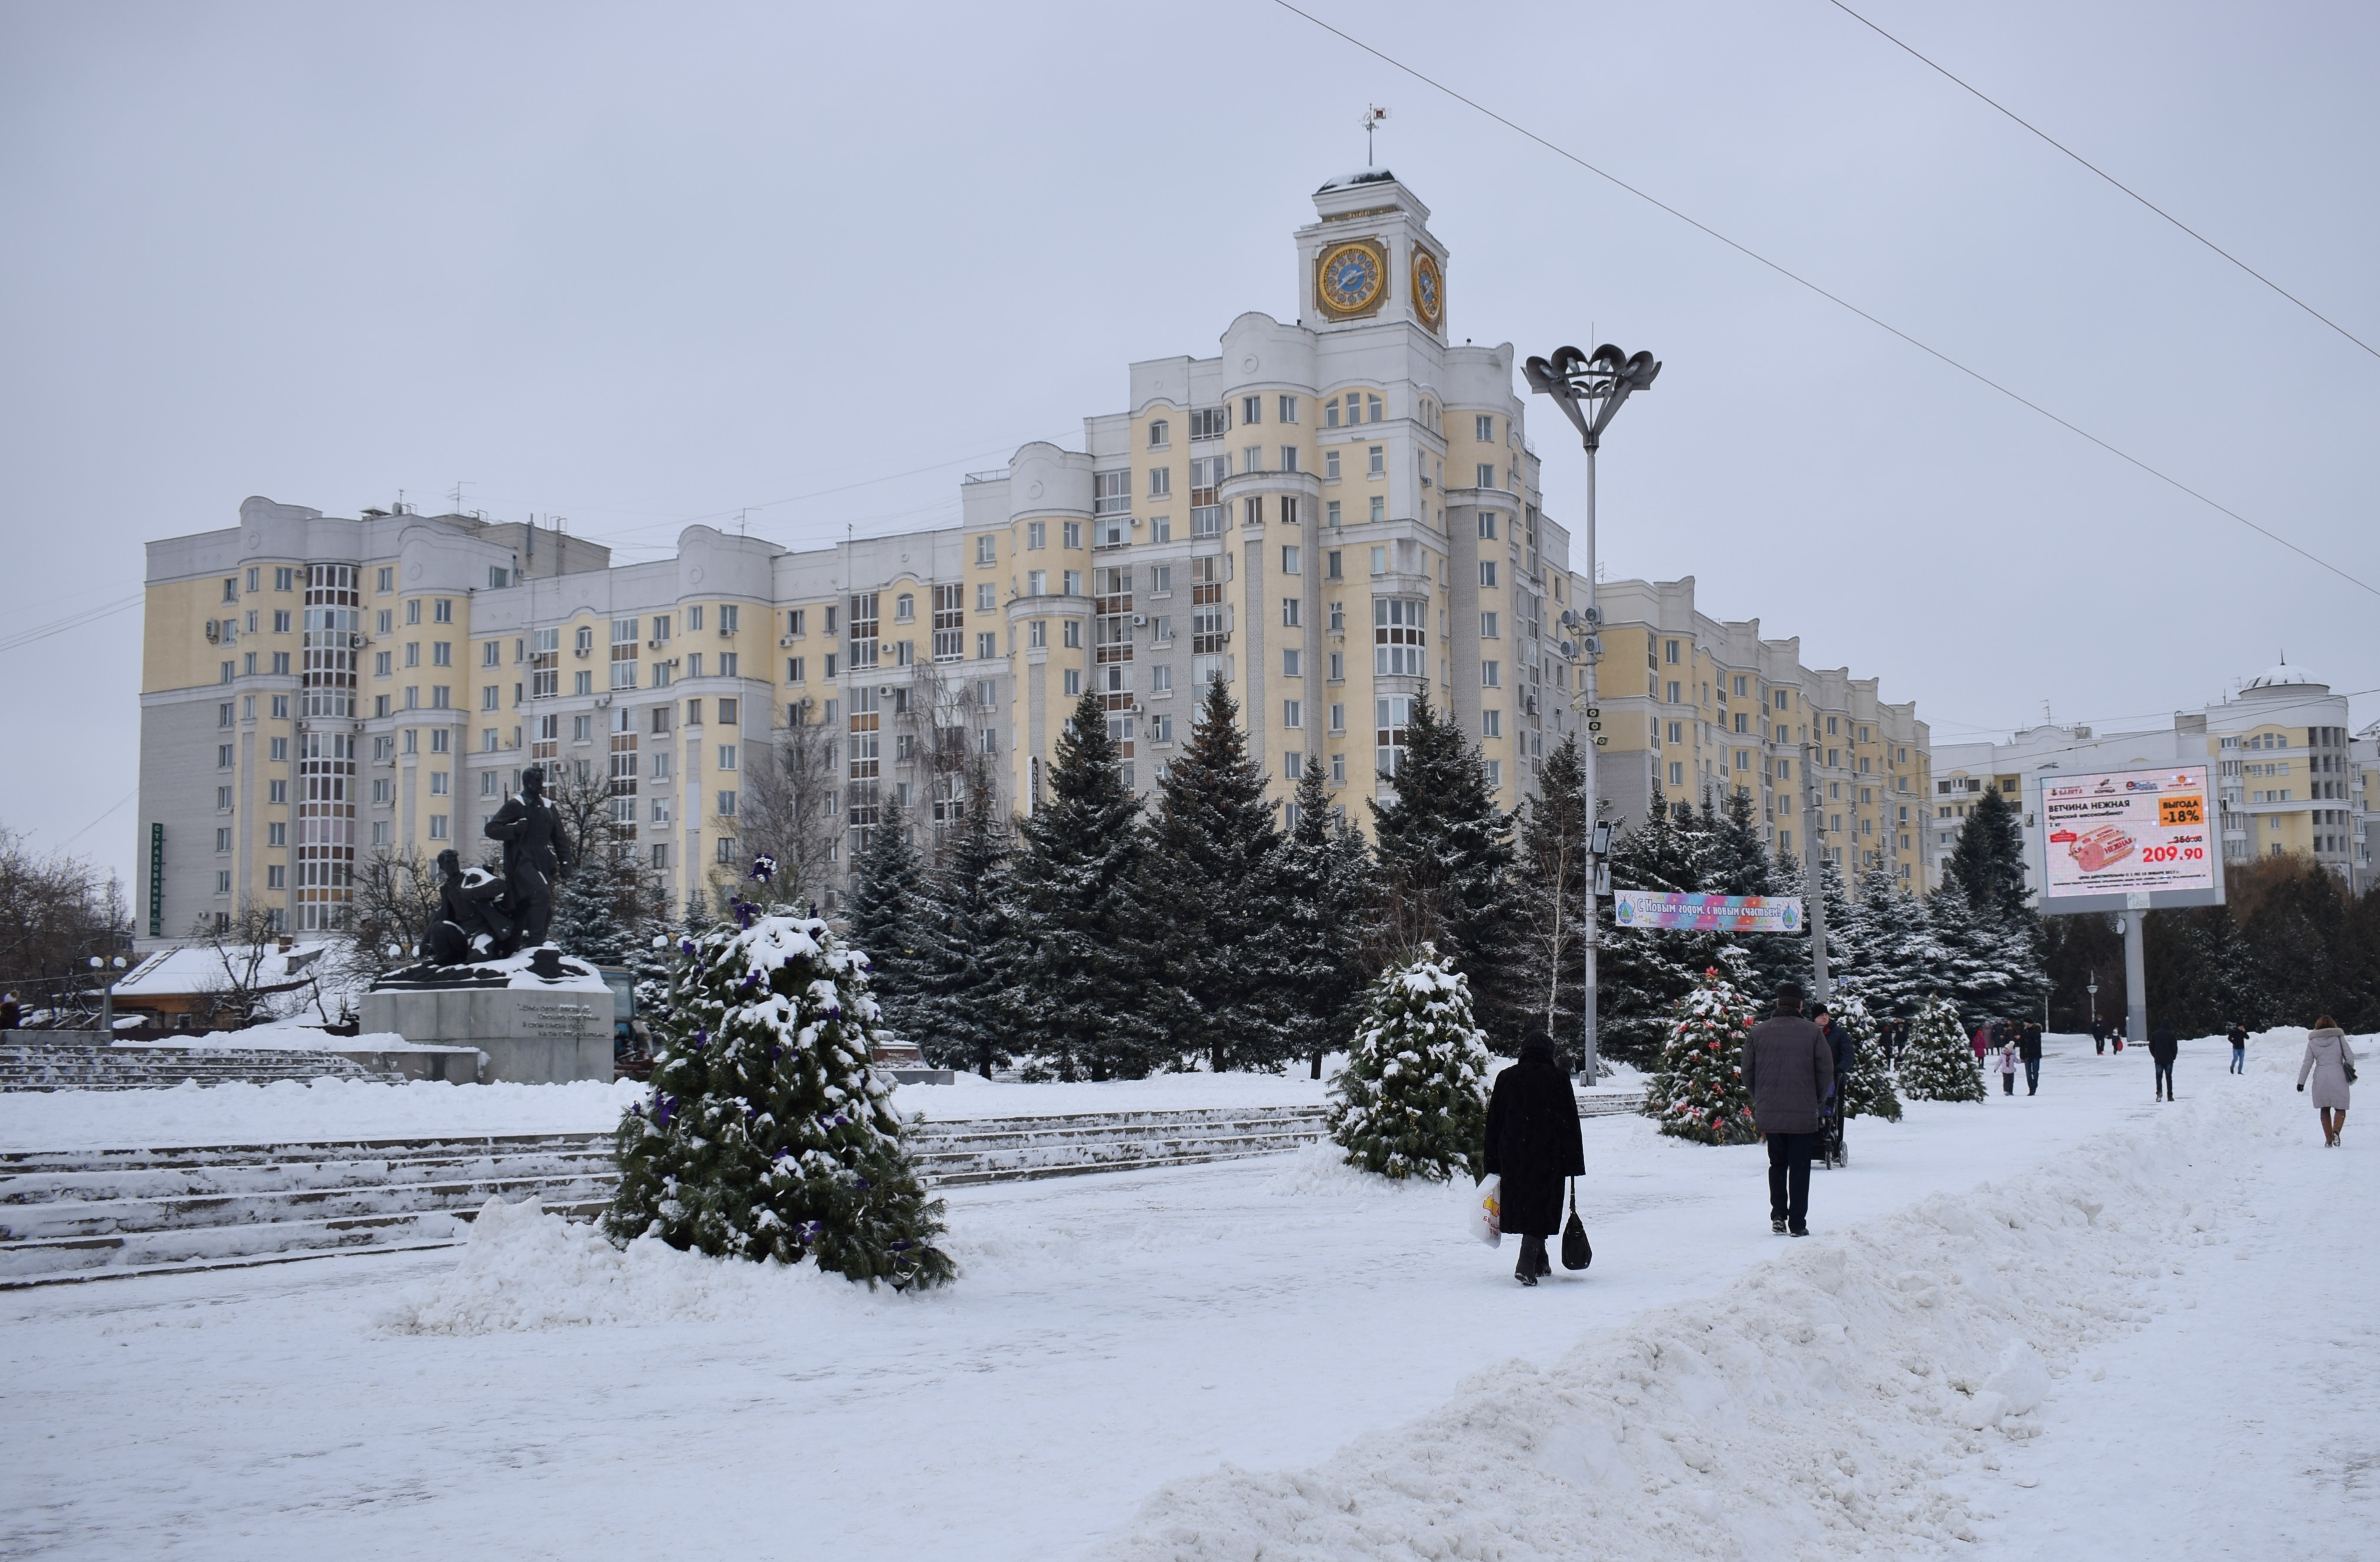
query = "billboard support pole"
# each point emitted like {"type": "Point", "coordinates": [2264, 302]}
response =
{"type": "Point", "coordinates": [2136, 981]}
{"type": "Point", "coordinates": [1813, 816]}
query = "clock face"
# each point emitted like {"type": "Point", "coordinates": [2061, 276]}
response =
{"type": "Point", "coordinates": [1351, 278]}
{"type": "Point", "coordinates": [1430, 288]}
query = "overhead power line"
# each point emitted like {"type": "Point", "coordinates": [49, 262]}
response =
{"type": "Point", "coordinates": [1837, 299]}
{"type": "Point", "coordinates": [71, 621]}
{"type": "Point", "coordinates": [1983, 98]}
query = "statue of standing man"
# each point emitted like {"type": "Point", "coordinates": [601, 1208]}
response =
{"type": "Point", "coordinates": [537, 851]}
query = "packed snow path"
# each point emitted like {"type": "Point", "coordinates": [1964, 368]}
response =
{"type": "Point", "coordinates": [1110, 1336]}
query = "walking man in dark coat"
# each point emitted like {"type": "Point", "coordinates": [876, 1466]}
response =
{"type": "Point", "coordinates": [537, 851]}
{"type": "Point", "coordinates": [1533, 1143]}
{"type": "Point", "coordinates": [2163, 1048]}
{"type": "Point", "coordinates": [1790, 1070]}
{"type": "Point", "coordinates": [2028, 1051]}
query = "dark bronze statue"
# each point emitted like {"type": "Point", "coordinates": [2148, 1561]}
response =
{"type": "Point", "coordinates": [537, 852]}
{"type": "Point", "coordinates": [470, 923]}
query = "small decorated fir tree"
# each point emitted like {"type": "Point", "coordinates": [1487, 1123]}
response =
{"type": "Point", "coordinates": [1940, 1065]}
{"type": "Point", "coordinates": [765, 1135]}
{"type": "Point", "coordinates": [1697, 1089]}
{"type": "Point", "coordinates": [1413, 1100]}
{"type": "Point", "coordinates": [1868, 1093]}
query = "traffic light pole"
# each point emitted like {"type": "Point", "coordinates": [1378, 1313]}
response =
{"type": "Point", "coordinates": [1591, 933]}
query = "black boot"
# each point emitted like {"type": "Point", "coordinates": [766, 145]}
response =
{"type": "Point", "coordinates": [1533, 1261]}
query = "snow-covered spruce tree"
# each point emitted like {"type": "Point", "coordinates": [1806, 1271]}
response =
{"type": "Point", "coordinates": [887, 892]}
{"type": "Point", "coordinates": [1082, 970]}
{"type": "Point", "coordinates": [966, 995]}
{"type": "Point", "coordinates": [1939, 1064]}
{"type": "Point", "coordinates": [1211, 882]}
{"type": "Point", "coordinates": [1446, 858]}
{"type": "Point", "coordinates": [1413, 1100]}
{"type": "Point", "coordinates": [1327, 922]}
{"type": "Point", "coordinates": [1643, 972]}
{"type": "Point", "coordinates": [1868, 1093]}
{"type": "Point", "coordinates": [1697, 1091]}
{"type": "Point", "coordinates": [765, 1135]}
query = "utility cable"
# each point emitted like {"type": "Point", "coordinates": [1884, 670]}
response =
{"type": "Point", "coordinates": [2053, 141]}
{"type": "Point", "coordinates": [1839, 301]}
{"type": "Point", "coordinates": [71, 621]}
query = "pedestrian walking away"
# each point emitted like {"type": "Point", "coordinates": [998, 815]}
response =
{"type": "Point", "coordinates": [2162, 1050]}
{"type": "Point", "coordinates": [1841, 1047]}
{"type": "Point", "coordinates": [1982, 1042]}
{"type": "Point", "coordinates": [2115, 1035]}
{"type": "Point", "coordinates": [1789, 1071]}
{"type": "Point", "coordinates": [2239, 1034]}
{"type": "Point", "coordinates": [1533, 1143]}
{"type": "Point", "coordinates": [2331, 1064]}
{"type": "Point", "coordinates": [2099, 1037]}
{"type": "Point", "coordinates": [11, 1014]}
{"type": "Point", "coordinates": [2008, 1068]}
{"type": "Point", "coordinates": [2028, 1050]}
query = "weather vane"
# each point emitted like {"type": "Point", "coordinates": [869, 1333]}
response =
{"type": "Point", "coordinates": [1373, 114]}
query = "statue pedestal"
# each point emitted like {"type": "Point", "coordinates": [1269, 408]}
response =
{"type": "Point", "coordinates": [535, 1030]}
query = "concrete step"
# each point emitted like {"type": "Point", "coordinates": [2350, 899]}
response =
{"type": "Point", "coordinates": [49, 1065]}
{"type": "Point", "coordinates": [68, 1216]}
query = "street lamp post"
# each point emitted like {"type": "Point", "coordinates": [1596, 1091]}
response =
{"type": "Point", "coordinates": [1590, 391]}
{"type": "Point", "coordinates": [2093, 988]}
{"type": "Point", "coordinates": [108, 972]}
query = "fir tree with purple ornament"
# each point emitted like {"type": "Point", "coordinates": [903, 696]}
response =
{"type": "Point", "coordinates": [1697, 1091]}
{"type": "Point", "coordinates": [766, 1134]}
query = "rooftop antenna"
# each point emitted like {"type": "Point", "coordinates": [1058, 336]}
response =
{"type": "Point", "coordinates": [1373, 114]}
{"type": "Point", "coordinates": [454, 497]}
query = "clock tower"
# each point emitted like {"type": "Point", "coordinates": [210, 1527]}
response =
{"type": "Point", "coordinates": [1369, 257]}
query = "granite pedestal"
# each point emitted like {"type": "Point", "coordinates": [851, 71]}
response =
{"type": "Point", "coordinates": [532, 1034]}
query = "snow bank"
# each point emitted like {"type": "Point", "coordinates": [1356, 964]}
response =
{"type": "Point", "coordinates": [970, 1096]}
{"type": "Point", "coordinates": [1810, 1410]}
{"type": "Point", "coordinates": [285, 1036]}
{"type": "Point", "coordinates": [524, 1269]}
{"type": "Point", "coordinates": [288, 1111]}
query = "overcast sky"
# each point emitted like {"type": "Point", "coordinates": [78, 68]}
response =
{"type": "Point", "coordinates": [642, 265]}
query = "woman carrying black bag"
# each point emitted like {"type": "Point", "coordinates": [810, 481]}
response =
{"type": "Point", "coordinates": [1533, 1143]}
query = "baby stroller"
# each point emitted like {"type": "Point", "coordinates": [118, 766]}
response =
{"type": "Point", "coordinates": [1832, 1151]}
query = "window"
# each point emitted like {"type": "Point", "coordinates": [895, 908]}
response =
{"type": "Point", "coordinates": [1397, 637]}
{"type": "Point", "coordinates": [223, 756]}
{"type": "Point", "coordinates": [1338, 724]}
{"type": "Point", "coordinates": [1072, 581]}
{"type": "Point", "coordinates": [1293, 713]}
{"type": "Point", "coordinates": [1483, 427]}
{"type": "Point", "coordinates": [222, 879]}
{"type": "Point", "coordinates": [1161, 679]}
{"type": "Point", "coordinates": [1073, 680]}
{"type": "Point", "coordinates": [1492, 724]}
{"type": "Point", "coordinates": [280, 621]}
{"type": "Point", "coordinates": [1252, 409]}
{"type": "Point", "coordinates": [1380, 508]}
{"type": "Point", "coordinates": [1037, 534]}
{"type": "Point", "coordinates": [1338, 667]}
{"type": "Point", "coordinates": [1392, 715]}
{"type": "Point", "coordinates": [1160, 434]}
{"type": "Point", "coordinates": [442, 655]}
{"type": "Point", "coordinates": [1209, 422]}
{"type": "Point", "coordinates": [1288, 461]}
{"type": "Point", "coordinates": [1669, 654]}
{"type": "Point", "coordinates": [1290, 609]}
{"type": "Point", "coordinates": [413, 611]}
{"type": "Point", "coordinates": [1293, 663]}
{"type": "Point", "coordinates": [1488, 625]}
{"type": "Point", "coordinates": [1338, 761]}
{"type": "Point", "coordinates": [987, 646]}
{"type": "Point", "coordinates": [276, 791]}
{"type": "Point", "coordinates": [1160, 727]}
{"type": "Point", "coordinates": [1072, 629]}
{"type": "Point", "coordinates": [1287, 409]}
{"type": "Point", "coordinates": [1781, 699]}
{"type": "Point", "coordinates": [280, 750]}
{"type": "Point", "coordinates": [1491, 674]}
{"type": "Point", "coordinates": [1486, 474]}
{"type": "Point", "coordinates": [727, 756]}
{"type": "Point", "coordinates": [1377, 458]}
{"type": "Point", "coordinates": [1495, 774]}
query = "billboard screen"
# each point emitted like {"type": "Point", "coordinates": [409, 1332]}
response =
{"type": "Point", "coordinates": [2129, 832]}
{"type": "Point", "coordinates": [1707, 913]}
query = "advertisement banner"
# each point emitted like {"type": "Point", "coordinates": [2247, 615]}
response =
{"type": "Point", "coordinates": [2128, 832]}
{"type": "Point", "coordinates": [1707, 913]}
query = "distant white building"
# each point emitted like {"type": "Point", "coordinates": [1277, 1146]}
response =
{"type": "Point", "coordinates": [2288, 776]}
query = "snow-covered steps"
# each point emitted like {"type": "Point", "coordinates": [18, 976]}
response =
{"type": "Point", "coordinates": [84, 1214]}
{"type": "Point", "coordinates": [69, 1216]}
{"type": "Point", "coordinates": [29, 1065]}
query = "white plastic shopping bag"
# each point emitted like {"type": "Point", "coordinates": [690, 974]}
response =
{"type": "Point", "coordinates": [1482, 1217]}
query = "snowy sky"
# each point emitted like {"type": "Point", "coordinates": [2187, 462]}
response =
{"type": "Point", "coordinates": [638, 267]}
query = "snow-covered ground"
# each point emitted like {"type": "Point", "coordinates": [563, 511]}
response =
{"type": "Point", "coordinates": [1279, 1359]}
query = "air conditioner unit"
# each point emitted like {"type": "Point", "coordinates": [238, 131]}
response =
{"type": "Point", "coordinates": [583, 652]}
{"type": "Point", "coordinates": [784, 642]}
{"type": "Point", "coordinates": [652, 646]}
{"type": "Point", "coordinates": [603, 701]}
{"type": "Point", "coordinates": [214, 632]}
{"type": "Point", "coordinates": [357, 643]}
{"type": "Point", "coordinates": [726, 633]}
{"type": "Point", "coordinates": [1140, 619]}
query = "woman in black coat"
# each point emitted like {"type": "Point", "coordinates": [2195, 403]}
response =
{"type": "Point", "coordinates": [1533, 1143]}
